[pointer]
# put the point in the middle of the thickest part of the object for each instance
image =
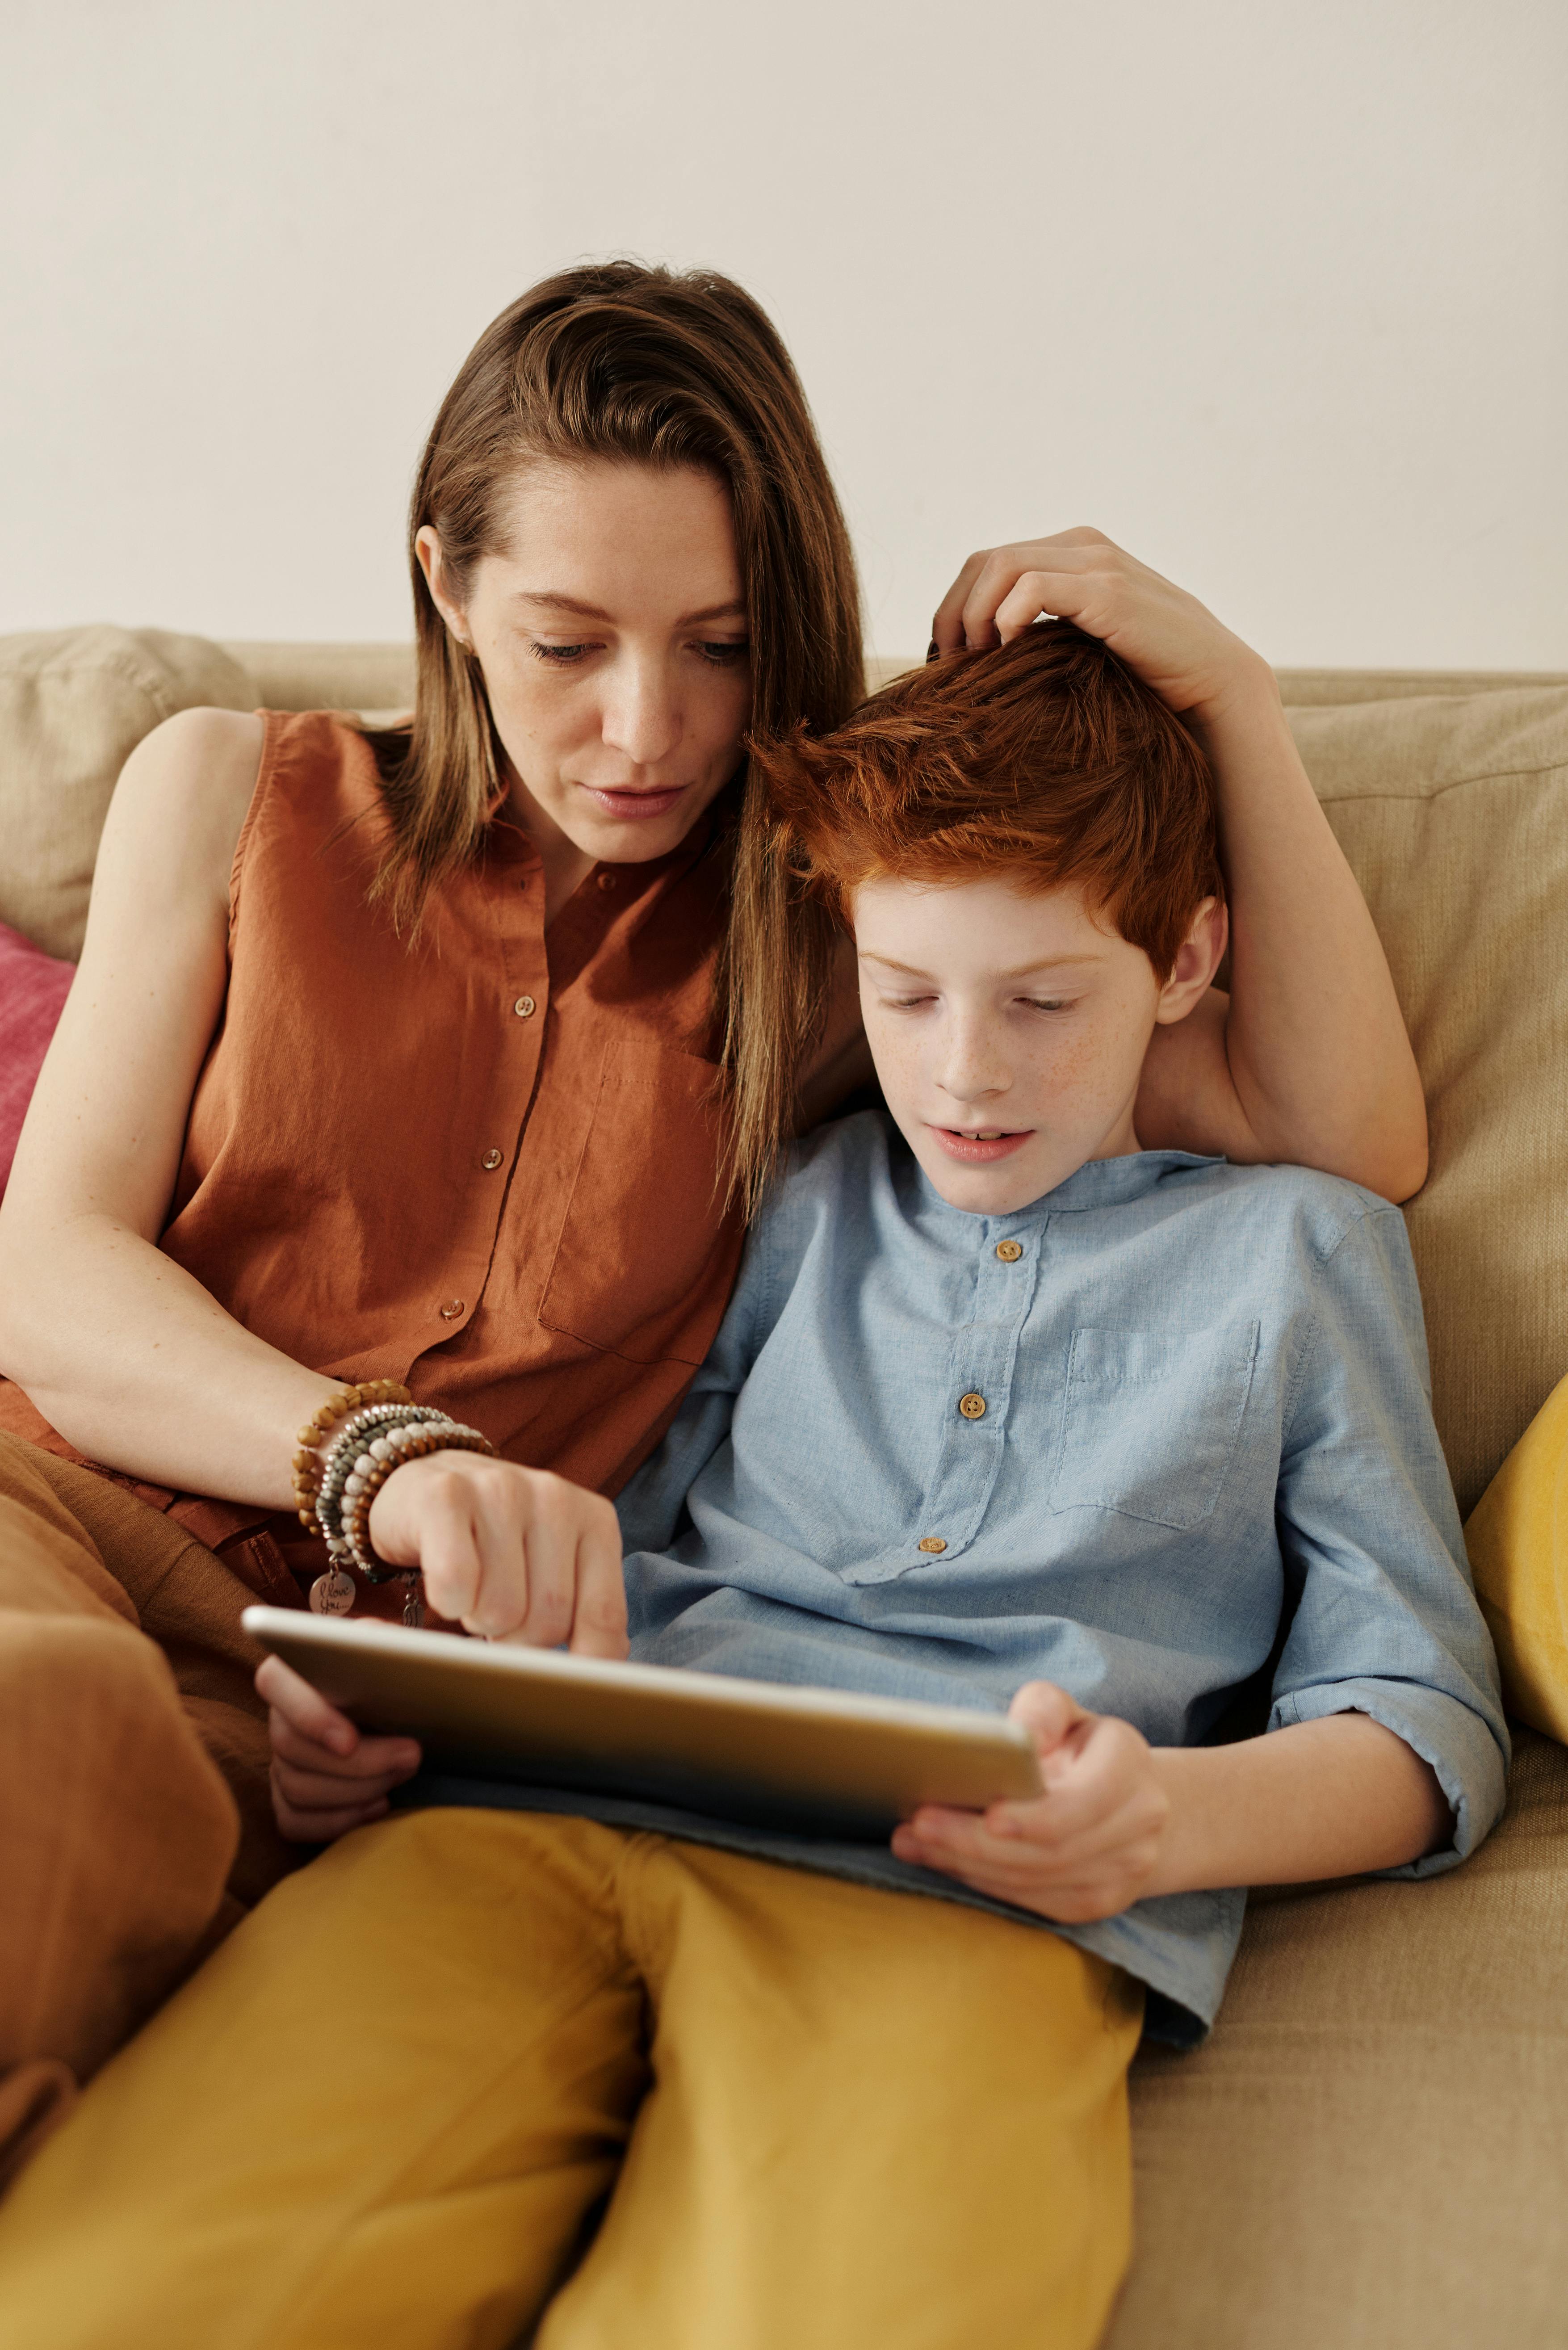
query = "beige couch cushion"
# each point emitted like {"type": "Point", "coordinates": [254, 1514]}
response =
{"type": "Point", "coordinates": [74, 704]}
{"type": "Point", "coordinates": [1454, 815]}
{"type": "Point", "coordinates": [1369, 2152]}
{"type": "Point", "coordinates": [372, 678]}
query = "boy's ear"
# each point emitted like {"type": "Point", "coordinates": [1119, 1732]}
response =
{"type": "Point", "coordinates": [1198, 957]}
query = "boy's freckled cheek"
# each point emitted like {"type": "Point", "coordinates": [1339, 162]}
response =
{"type": "Point", "coordinates": [898, 1061]}
{"type": "Point", "coordinates": [1077, 1069]}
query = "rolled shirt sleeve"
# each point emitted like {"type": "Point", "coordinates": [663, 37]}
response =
{"type": "Point", "coordinates": [1385, 1621]}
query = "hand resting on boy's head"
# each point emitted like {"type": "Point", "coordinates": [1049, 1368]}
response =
{"type": "Point", "coordinates": [1193, 662]}
{"type": "Point", "coordinates": [511, 1554]}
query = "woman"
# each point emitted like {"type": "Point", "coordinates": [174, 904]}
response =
{"type": "Point", "coordinates": [431, 1058]}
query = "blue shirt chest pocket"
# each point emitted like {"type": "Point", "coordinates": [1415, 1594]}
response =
{"type": "Point", "coordinates": [1150, 1421]}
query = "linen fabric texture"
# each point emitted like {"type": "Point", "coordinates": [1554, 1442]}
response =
{"type": "Point", "coordinates": [1206, 1469]}
{"type": "Point", "coordinates": [481, 1165]}
{"type": "Point", "coordinates": [138, 1820]}
{"type": "Point", "coordinates": [389, 2110]}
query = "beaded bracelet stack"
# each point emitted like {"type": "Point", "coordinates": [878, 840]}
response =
{"type": "Point", "coordinates": [338, 1406]}
{"type": "Point", "coordinates": [369, 1432]}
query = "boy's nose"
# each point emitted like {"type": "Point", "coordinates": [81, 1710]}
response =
{"type": "Point", "coordinates": [973, 1078]}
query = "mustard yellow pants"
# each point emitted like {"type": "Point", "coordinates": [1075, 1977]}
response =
{"type": "Point", "coordinates": [476, 2073]}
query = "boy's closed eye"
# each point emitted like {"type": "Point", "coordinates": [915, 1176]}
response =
{"type": "Point", "coordinates": [1023, 1003]}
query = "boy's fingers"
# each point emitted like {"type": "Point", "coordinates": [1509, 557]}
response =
{"type": "Point", "coordinates": [293, 1700]}
{"type": "Point", "coordinates": [1047, 1714]}
{"type": "Point", "coordinates": [322, 1827]}
{"type": "Point", "coordinates": [1018, 1838]}
{"type": "Point", "coordinates": [960, 1841]}
{"type": "Point", "coordinates": [371, 1757]}
{"type": "Point", "coordinates": [315, 1791]}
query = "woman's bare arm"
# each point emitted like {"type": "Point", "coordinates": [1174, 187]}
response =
{"type": "Point", "coordinates": [1307, 1059]}
{"type": "Point", "coordinates": [120, 1349]}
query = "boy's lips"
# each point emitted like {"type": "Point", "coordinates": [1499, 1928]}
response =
{"type": "Point", "coordinates": [633, 804]}
{"type": "Point", "coordinates": [979, 1150]}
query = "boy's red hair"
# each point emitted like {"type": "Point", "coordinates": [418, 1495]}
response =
{"type": "Point", "coordinates": [1046, 764]}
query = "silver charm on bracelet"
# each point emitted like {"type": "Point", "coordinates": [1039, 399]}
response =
{"type": "Point", "coordinates": [332, 1594]}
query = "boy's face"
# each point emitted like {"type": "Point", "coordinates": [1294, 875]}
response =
{"type": "Point", "coordinates": [1009, 1031]}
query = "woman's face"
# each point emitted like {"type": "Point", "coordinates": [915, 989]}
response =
{"type": "Point", "coordinates": [612, 636]}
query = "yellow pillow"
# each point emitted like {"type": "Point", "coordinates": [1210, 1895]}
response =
{"type": "Point", "coordinates": [1518, 1542]}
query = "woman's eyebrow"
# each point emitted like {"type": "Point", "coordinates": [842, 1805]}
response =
{"type": "Point", "coordinates": [733, 610]}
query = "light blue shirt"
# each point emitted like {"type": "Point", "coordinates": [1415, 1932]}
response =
{"type": "Point", "coordinates": [1206, 1467]}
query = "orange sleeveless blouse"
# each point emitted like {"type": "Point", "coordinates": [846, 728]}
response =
{"type": "Point", "coordinates": [486, 1164]}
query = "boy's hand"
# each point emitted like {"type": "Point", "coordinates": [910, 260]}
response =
{"type": "Point", "coordinates": [1172, 642]}
{"type": "Point", "coordinates": [327, 1777]}
{"type": "Point", "coordinates": [511, 1554]}
{"type": "Point", "coordinates": [1086, 1847]}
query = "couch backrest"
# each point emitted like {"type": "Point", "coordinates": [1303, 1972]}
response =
{"type": "Point", "coordinates": [74, 704]}
{"type": "Point", "coordinates": [1453, 812]}
{"type": "Point", "coordinates": [1448, 794]}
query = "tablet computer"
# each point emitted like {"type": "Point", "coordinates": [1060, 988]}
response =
{"type": "Point", "coordinates": [816, 1762]}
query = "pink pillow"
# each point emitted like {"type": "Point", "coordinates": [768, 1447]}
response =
{"type": "Point", "coordinates": [33, 988]}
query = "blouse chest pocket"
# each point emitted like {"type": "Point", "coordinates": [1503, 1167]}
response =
{"type": "Point", "coordinates": [1150, 1421]}
{"type": "Point", "coordinates": [647, 1251]}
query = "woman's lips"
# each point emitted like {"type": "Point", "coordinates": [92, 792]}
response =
{"type": "Point", "coordinates": [978, 1151]}
{"type": "Point", "coordinates": [636, 806]}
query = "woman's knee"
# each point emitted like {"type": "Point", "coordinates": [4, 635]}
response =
{"type": "Point", "coordinates": [92, 1719]}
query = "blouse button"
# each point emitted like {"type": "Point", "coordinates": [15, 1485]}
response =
{"type": "Point", "coordinates": [933, 1543]}
{"type": "Point", "coordinates": [525, 1007]}
{"type": "Point", "coordinates": [1010, 1250]}
{"type": "Point", "coordinates": [452, 1309]}
{"type": "Point", "coordinates": [972, 1406]}
{"type": "Point", "coordinates": [492, 1158]}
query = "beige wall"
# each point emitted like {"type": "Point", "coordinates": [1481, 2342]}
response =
{"type": "Point", "coordinates": [1273, 292]}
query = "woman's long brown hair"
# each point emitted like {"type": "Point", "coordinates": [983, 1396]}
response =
{"type": "Point", "coordinates": [615, 359]}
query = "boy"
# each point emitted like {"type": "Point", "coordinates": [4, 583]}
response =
{"type": "Point", "coordinates": [1005, 1412]}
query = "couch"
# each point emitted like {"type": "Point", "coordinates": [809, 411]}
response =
{"type": "Point", "coordinates": [1371, 2151]}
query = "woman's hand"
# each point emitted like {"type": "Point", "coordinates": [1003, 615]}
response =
{"type": "Point", "coordinates": [327, 1777]}
{"type": "Point", "coordinates": [1086, 1847]}
{"type": "Point", "coordinates": [1308, 1059]}
{"type": "Point", "coordinates": [509, 1553]}
{"type": "Point", "coordinates": [1172, 642]}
